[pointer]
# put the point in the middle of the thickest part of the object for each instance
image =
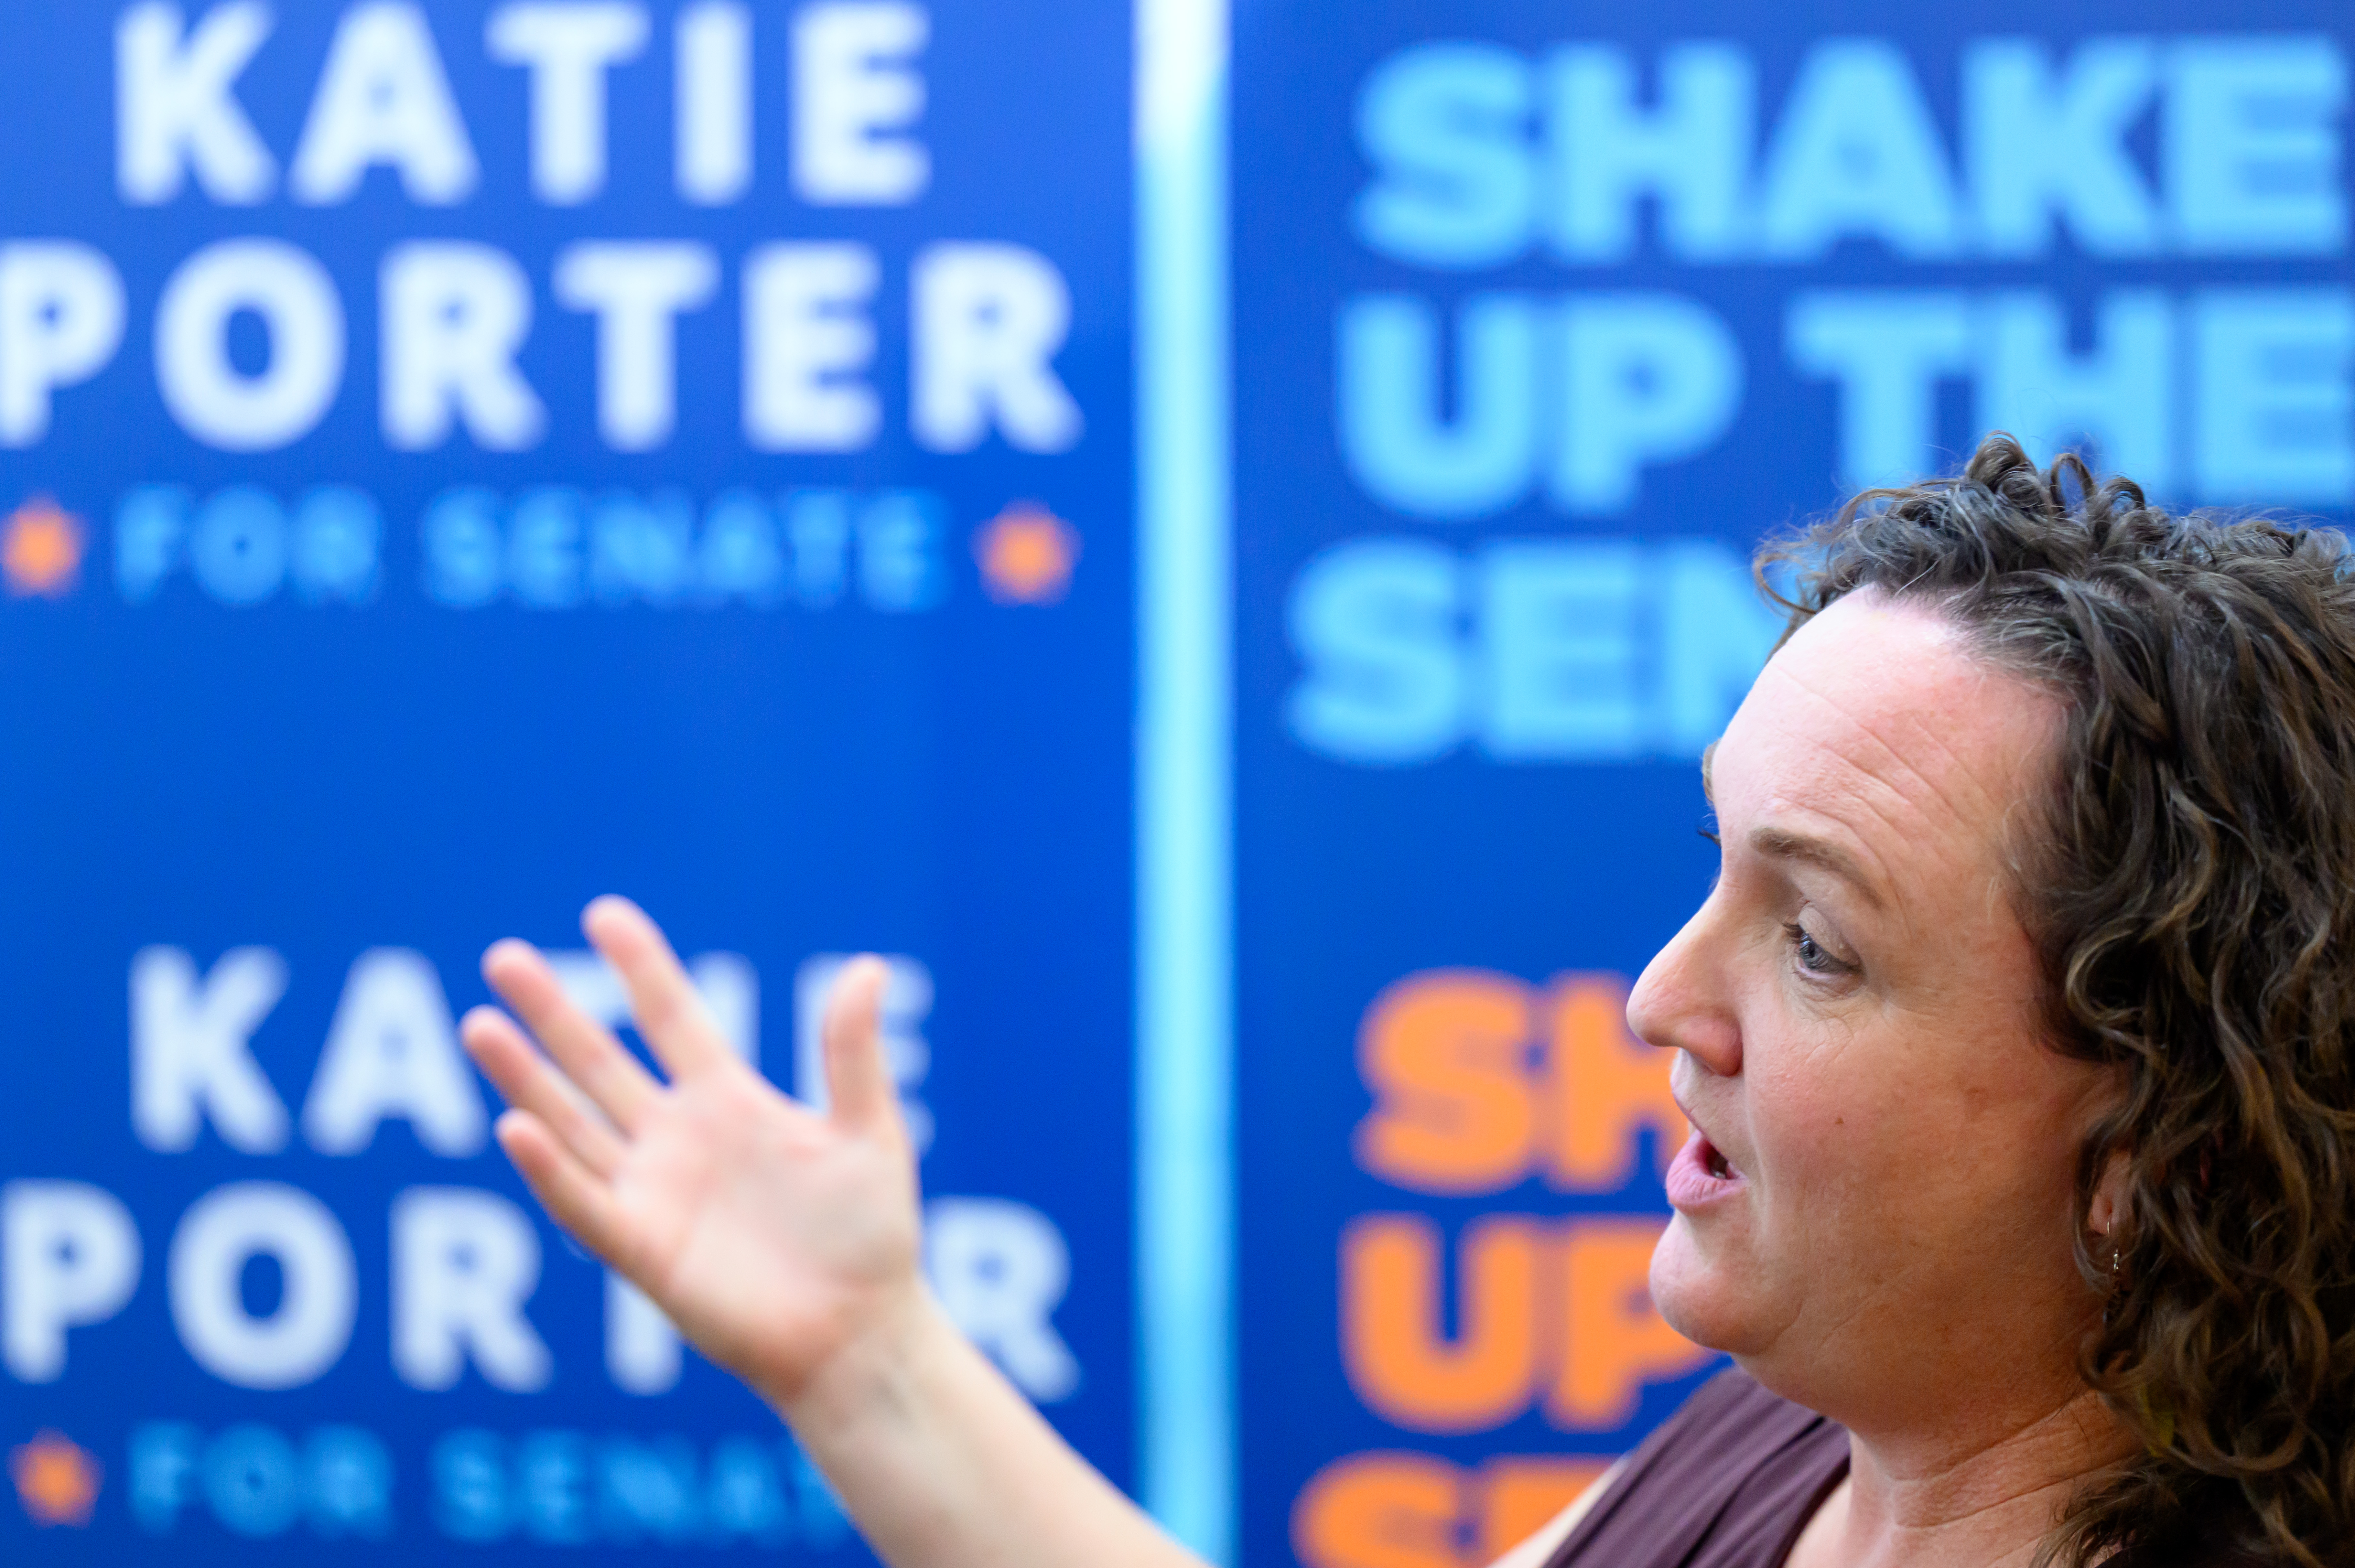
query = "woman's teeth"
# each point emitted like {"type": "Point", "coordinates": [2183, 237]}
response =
{"type": "Point", "coordinates": [1717, 1166]}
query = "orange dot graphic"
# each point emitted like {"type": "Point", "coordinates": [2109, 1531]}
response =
{"type": "Point", "coordinates": [1027, 554]}
{"type": "Point", "coordinates": [40, 550]}
{"type": "Point", "coordinates": [57, 1479]}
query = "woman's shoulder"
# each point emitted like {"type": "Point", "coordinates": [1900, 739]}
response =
{"type": "Point", "coordinates": [1726, 1482]}
{"type": "Point", "coordinates": [1731, 1478]}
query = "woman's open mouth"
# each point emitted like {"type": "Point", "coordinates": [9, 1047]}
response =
{"type": "Point", "coordinates": [1700, 1174]}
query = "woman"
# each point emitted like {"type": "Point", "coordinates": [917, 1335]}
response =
{"type": "Point", "coordinates": [2014, 1034]}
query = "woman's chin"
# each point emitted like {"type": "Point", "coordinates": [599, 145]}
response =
{"type": "Point", "coordinates": [1696, 1293]}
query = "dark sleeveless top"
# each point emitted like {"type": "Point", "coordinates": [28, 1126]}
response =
{"type": "Point", "coordinates": [1728, 1481]}
{"type": "Point", "coordinates": [1731, 1480]}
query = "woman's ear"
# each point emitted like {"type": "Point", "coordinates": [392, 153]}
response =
{"type": "Point", "coordinates": [2108, 1208]}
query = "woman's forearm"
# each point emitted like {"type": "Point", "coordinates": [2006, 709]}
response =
{"type": "Point", "coordinates": [944, 1465]}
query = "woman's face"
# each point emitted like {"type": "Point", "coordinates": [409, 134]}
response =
{"type": "Point", "coordinates": [1878, 1197]}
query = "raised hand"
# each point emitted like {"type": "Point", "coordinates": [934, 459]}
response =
{"type": "Point", "coordinates": [775, 1237]}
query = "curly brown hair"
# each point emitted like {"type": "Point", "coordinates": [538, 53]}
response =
{"type": "Point", "coordinates": [2190, 890]}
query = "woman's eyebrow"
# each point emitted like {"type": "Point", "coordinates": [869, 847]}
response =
{"type": "Point", "coordinates": [1784, 844]}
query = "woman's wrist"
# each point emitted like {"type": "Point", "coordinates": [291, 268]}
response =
{"type": "Point", "coordinates": [870, 1372]}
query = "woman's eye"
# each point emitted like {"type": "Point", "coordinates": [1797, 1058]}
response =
{"type": "Point", "coordinates": [1814, 957]}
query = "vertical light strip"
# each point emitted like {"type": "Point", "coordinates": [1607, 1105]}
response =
{"type": "Point", "coordinates": [1185, 766]}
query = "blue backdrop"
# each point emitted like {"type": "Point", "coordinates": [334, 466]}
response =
{"type": "Point", "coordinates": [1542, 316]}
{"type": "Point", "coordinates": [462, 458]}
{"type": "Point", "coordinates": [458, 458]}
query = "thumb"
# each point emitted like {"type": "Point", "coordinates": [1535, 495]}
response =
{"type": "Point", "coordinates": [859, 1086]}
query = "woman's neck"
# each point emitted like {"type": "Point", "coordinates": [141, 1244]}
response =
{"type": "Point", "coordinates": [1961, 1494]}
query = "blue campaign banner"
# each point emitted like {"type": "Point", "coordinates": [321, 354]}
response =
{"type": "Point", "coordinates": [457, 458]}
{"type": "Point", "coordinates": [1543, 316]}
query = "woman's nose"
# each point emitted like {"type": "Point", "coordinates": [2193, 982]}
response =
{"type": "Point", "coordinates": [1681, 1001]}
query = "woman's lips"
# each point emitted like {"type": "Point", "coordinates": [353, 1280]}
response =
{"type": "Point", "coordinates": [1700, 1175]}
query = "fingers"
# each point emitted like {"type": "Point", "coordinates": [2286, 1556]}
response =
{"type": "Point", "coordinates": [669, 1010]}
{"type": "Point", "coordinates": [589, 1055]}
{"type": "Point", "coordinates": [578, 1202]}
{"type": "Point", "coordinates": [857, 1082]}
{"type": "Point", "coordinates": [532, 1083]}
